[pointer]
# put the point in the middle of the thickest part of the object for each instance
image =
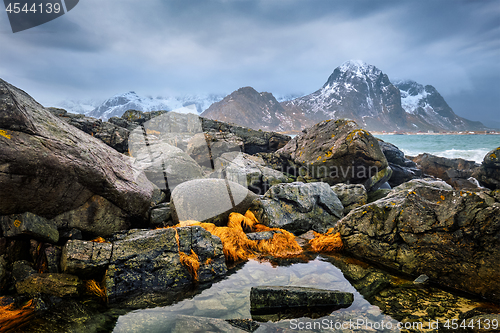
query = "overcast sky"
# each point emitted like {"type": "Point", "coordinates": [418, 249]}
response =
{"type": "Point", "coordinates": [165, 47]}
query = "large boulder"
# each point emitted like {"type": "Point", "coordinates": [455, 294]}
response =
{"type": "Point", "coordinates": [403, 169]}
{"type": "Point", "coordinates": [454, 171]}
{"type": "Point", "coordinates": [337, 152]}
{"type": "Point", "coordinates": [48, 167]}
{"type": "Point", "coordinates": [209, 200]}
{"type": "Point", "coordinates": [450, 236]}
{"type": "Point", "coordinates": [299, 207]}
{"type": "Point", "coordinates": [489, 172]}
{"type": "Point", "coordinates": [139, 261]}
{"type": "Point", "coordinates": [51, 283]}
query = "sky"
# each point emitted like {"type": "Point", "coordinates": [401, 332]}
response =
{"type": "Point", "coordinates": [173, 47]}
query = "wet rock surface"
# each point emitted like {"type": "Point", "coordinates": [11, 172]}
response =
{"type": "Point", "coordinates": [271, 298]}
{"type": "Point", "coordinates": [299, 207]}
{"type": "Point", "coordinates": [49, 283]}
{"type": "Point", "coordinates": [337, 152]}
{"type": "Point", "coordinates": [426, 230]}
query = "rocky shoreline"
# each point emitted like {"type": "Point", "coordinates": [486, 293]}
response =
{"type": "Point", "coordinates": [158, 202]}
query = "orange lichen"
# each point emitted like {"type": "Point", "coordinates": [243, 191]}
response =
{"type": "Point", "coordinates": [191, 262]}
{"type": "Point", "coordinates": [12, 317]}
{"type": "Point", "coordinates": [442, 197]}
{"type": "Point", "coordinates": [98, 240]}
{"type": "Point", "coordinates": [4, 134]}
{"type": "Point", "coordinates": [92, 287]}
{"type": "Point", "coordinates": [17, 223]}
{"type": "Point", "coordinates": [328, 242]}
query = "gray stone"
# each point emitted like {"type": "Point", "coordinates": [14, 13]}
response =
{"type": "Point", "coordinates": [276, 297]}
{"type": "Point", "coordinates": [454, 171]}
{"type": "Point", "coordinates": [422, 279]}
{"type": "Point", "coordinates": [403, 169]}
{"type": "Point", "coordinates": [209, 200]}
{"type": "Point", "coordinates": [263, 235]}
{"type": "Point", "coordinates": [29, 225]}
{"type": "Point", "coordinates": [249, 171]}
{"type": "Point", "coordinates": [149, 260]}
{"type": "Point", "coordinates": [351, 196]}
{"type": "Point", "coordinates": [160, 216]}
{"type": "Point", "coordinates": [299, 207]}
{"type": "Point", "coordinates": [166, 165]}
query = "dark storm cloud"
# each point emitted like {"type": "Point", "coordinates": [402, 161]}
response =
{"type": "Point", "coordinates": [288, 46]}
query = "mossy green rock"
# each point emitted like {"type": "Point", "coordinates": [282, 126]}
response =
{"type": "Point", "coordinates": [489, 172]}
{"type": "Point", "coordinates": [427, 230]}
{"type": "Point", "coordinates": [337, 152]}
{"type": "Point", "coordinates": [29, 225]}
{"type": "Point", "coordinates": [52, 284]}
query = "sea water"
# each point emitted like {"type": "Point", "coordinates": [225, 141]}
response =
{"type": "Point", "coordinates": [468, 147]}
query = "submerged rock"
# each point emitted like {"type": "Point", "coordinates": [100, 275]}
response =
{"type": "Point", "coordinates": [337, 152]}
{"type": "Point", "coordinates": [49, 168]}
{"type": "Point", "coordinates": [275, 297]}
{"type": "Point", "coordinates": [209, 200]}
{"type": "Point", "coordinates": [432, 231]}
{"type": "Point", "coordinates": [299, 207]}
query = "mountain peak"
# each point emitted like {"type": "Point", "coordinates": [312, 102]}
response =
{"type": "Point", "coordinates": [359, 67]}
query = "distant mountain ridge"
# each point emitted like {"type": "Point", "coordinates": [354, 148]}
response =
{"type": "Point", "coordinates": [116, 106]}
{"type": "Point", "coordinates": [355, 90]}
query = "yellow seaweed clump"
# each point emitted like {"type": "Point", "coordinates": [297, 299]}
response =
{"type": "Point", "coordinates": [328, 242]}
{"type": "Point", "coordinates": [192, 263]}
{"type": "Point", "coordinates": [92, 287]}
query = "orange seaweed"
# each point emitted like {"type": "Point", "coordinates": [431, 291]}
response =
{"type": "Point", "coordinates": [327, 242]}
{"type": "Point", "coordinates": [14, 318]}
{"type": "Point", "coordinates": [191, 262]}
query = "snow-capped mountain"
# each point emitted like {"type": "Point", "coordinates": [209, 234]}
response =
{"type": "Point", "coordinates": [358, 91]}
{"type": "Point", "coordinates": [118, 104]}
{"type": "Point", "coordinates": [427, 108]}
{"type": "Point", "coordinates": [362, 92]}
